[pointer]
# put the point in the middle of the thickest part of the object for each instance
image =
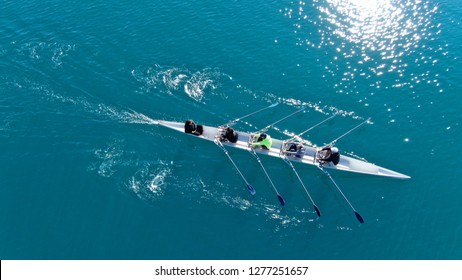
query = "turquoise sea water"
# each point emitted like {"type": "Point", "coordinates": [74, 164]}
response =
{"type": "Point", "coordinates": [85, 174]}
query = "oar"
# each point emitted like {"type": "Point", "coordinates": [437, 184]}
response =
{"type": "Point", "coordinates": [281, 200]}
{"type": "Point", "coordinates": [358, 216]}
{"type": "Point", "coordinates": [249, 186]}
{"type": "Point", "coordinates": [276, 122]}
{"type": "Point", "coordinates": [258, 111]}
{"type": "Point", "coordinates": [349, 131]}
{"type": "Point", "coordinates": [303, 132]}
{"type": "Point", "coordinates": [303, 185]}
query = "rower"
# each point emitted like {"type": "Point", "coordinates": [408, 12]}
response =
{"type": "Point", "coordinates": [294, 149]}
{"type": "Point", "coordinates": [229, 134]}
{"type": "Point", "coordinates": [263, 140]}
{"type": "Point", "coordinates": [330, 154]}
{"type": "Point", "coordinates": [191, 127]}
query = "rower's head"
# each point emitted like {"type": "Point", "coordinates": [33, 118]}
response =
{"type": "Point", "coordinates": [334, 150]}
{"type": "Point", "coordinates": [261, 137]}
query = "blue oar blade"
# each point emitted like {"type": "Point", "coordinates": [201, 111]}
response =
{"type": "Point", "coordinates": [317, 210]}
{"type": "Point", "coordinates": [251, 190]}
{"type": "Point", "coordinates": [360, 219]}
{"type": "Point", "coordinates": [281, 200]}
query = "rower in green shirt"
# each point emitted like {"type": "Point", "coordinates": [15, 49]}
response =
{"type": "Point", "coordinates": [263, 140]}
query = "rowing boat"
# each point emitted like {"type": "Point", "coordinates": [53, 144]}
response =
{"type": "Point", "coordinates": [308, 157]}
{"type": "Point", "coordinates": [300, 153]}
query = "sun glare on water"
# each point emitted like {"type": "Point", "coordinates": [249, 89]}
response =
{"type": "Point", "coordinates": [372, 24]}
{"type": "Point", "coordinates": [366, 45]}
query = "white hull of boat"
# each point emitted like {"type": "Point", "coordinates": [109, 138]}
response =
{"type": "Point", "coordinates": [346, 163]}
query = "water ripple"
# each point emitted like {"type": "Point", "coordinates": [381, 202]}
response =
{"type": "Point", "coordinates": [177, 80]}
{"type": "Point", "coordinates": [149, 184]}
{"type": "Point", "coordinates": [108, 158]}
{"type": "Point", "coordinates": [53, 52]}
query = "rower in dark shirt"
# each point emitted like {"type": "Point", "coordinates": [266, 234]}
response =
{"type": "Point", "coordinates": [331, 154]}
{"type": "Point", "coordinates": [191, 127]}
{"type": "Point", "coordinates": [229, 134]}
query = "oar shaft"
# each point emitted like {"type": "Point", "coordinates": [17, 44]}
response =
{"type": "Point", "coordinates": [318, 212]}
{"type": "Point", "coordinates": [358, 216]}
{"type": "Point", "coordinates": [248, 115]}
{"type": "Point", "coordinates": [298, 176]}
{"type": "Point", "coordinates": [249, 187]}
{"type": "Point", "coordinates": [264, 170]}
{"type": "Point", "coordinates": [237, 168]}
{"type": "Point", "coordinates": [349, 131]}
{"type": "Point", "coordinates": [278, 121]}
{"type": "Point", "coordinates": [281, 200]}
{"type": "Point", "coordinates": [335, 184]}
{"type": "Point", "coordinates": [305, 131]}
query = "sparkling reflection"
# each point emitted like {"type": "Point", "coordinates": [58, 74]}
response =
{"type": "Point", "coordinates": [383, 44]}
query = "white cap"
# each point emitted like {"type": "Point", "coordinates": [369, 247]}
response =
{"type": "Point", "coordinates": [334, 150]}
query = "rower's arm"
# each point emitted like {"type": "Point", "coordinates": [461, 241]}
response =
{"type": "Point", "coordinates": [257, 144]}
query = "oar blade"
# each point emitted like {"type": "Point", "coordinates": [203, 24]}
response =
{"type": "Point", "coordinates": [317, 210]}
{"type": "Point", "coordinates": [274, 105]}
{"type": "Point", "coordinates": [251, 190]}
{"type": "Point", "coordinates": [281, 200]}
{"type": "Point", "coordinates": [360, 219]}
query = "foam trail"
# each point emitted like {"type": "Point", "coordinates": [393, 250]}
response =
{"type": "Point", "coordinates": [121, 115]}
{"type": "Point", "coordinates": [141, 118]}
{"type": "Point", "coordinates": [100, 109]}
